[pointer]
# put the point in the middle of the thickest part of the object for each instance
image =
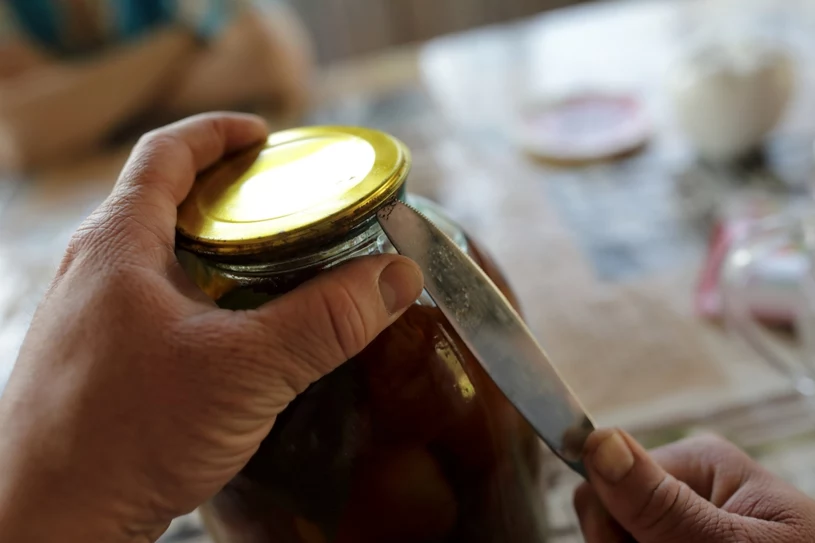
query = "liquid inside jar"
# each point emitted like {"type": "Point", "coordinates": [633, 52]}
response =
{"type": "Point", "coordinates": [410, 441]}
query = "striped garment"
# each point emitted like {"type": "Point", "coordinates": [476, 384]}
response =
{"type": "Point", "coordinates": [78, 27]}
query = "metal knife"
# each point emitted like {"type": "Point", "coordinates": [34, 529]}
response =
{"type": "Point", "coordinates": [493, 331]}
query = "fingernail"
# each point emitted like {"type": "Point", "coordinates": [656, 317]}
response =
{"type": "Point", "coordinates": [612, 459]}
{"type": "Point", "coordinates": [399, 285]}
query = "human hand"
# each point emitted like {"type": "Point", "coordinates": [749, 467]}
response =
{"type": "Point", "coordinates": [134, 398]}
{"type": "Point", "coordinates": [700, 490]}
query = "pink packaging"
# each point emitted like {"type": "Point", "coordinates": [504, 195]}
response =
{"type": "Point", "coordinates": [774, 286]}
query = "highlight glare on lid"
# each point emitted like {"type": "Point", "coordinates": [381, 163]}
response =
{"type": "Point", "coordinates": [302, 184]}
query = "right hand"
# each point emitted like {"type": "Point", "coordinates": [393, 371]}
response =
{"type": "Point", "coordinates": [700, 490]}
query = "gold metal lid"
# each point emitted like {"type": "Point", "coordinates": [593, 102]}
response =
{"type": "Point", "coordinates": [302, 187]}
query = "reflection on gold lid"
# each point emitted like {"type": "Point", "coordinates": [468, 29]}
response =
{"type": "Point", "coordinates": [298, 188]}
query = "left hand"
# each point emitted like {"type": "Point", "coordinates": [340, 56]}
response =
{"type": "Point", "coordinates": [699, 490]}
{"type": "Point", "coordinates": [135, 398]}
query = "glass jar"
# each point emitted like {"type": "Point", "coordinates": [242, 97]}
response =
{"type": "Point", "coordinates": [410, 441]}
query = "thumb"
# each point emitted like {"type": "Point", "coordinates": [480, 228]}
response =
{"type": "Point", "coordinates": [649, 503]}
{"type": "Point", "coordinates": [328, 320]}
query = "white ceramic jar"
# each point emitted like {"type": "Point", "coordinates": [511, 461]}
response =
{"type": "Point", "coordinates": [729, 95]}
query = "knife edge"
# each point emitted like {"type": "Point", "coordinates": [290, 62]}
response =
{"type": "Point", "coordinates": [452, 295]}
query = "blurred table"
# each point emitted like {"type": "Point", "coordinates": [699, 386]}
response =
{"type": "Point", "coordinates": [604, 258]}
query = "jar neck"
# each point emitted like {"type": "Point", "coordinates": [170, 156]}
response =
{"type": "Point", "coordinates": [223, 281]}
{"type": "Point", "coordinates": [368, 241]}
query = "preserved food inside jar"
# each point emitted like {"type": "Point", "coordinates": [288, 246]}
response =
{"type": "Point", "coordinates": [409, 441]}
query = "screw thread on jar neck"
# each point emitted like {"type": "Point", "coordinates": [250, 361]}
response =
{"type": "Point", "coordinates": [370, 241]}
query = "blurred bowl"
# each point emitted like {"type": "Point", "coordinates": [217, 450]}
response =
{"type": "Point", "coordinates": [729, 95]}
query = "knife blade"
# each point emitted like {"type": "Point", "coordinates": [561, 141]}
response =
{"type": "Point", "coordinates": [493, 331]}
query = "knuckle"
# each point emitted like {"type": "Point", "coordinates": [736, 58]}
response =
{"type": "Point", "coordinates": [279, 354]}
{"type": "Point", "coordinates": [673, 508]}
{"type": "Point", "coordinates": [212, 124]}
{"type": "Point", "coordinates": [324, 329]}
{"type": "Point", "coordinates": [714, 450]}
{"type": "Point", "coordinates": [204, 119]}
{"type": "Point", "coordinates": [206, 130]}
{"type": "Point", "coordinates": [347, 327]}
{"type": "Point", "coordinates": [123, 228]}
{"type": "Point", "coordinates": [664, 505]}
{"type": "Point", "coordinates": [161, 139]}
{"type": "Point", "coordinates": [146, 164]}
{"type": "Point", "coordinates": [72, 252]}
{"type": "Point", "coordinates": [252, 359]}
{"type": "Point", "coordinates": [94, 235]}
{"type": "Point", "coordinates": [107, 234]}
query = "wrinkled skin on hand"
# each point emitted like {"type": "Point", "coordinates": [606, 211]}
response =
{"type": "Point", "coordinates": [134, 398]}
{"type": "Point", "coordinates": [700, 490]}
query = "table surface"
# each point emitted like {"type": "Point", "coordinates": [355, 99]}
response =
{"type": "Point", "coordinates": [604, 258]}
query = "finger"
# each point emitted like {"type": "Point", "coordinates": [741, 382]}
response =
{"type": "Point", "coordinates": [649, 503]}
{"type": "Point", "coordinates": [328, 320]}
{"type": "Point", "coordinates": [596, 524]}
{"type": "Point", "coordinates": [163, 165]}
{"type": "Point", "coordinates": [172, 155]}
{"type": "Point", "coordinates": [732, 481]}
{"type": "Point", "coordinates": [711, 466]}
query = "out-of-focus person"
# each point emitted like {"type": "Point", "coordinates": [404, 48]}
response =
{"type": "Point", "coordinates": [73, 72]}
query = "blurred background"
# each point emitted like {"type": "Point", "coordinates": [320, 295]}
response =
{"type": "Point", "coordinates": [641, 169]}
{"type": "Point", "coordinates": [346, 28]}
